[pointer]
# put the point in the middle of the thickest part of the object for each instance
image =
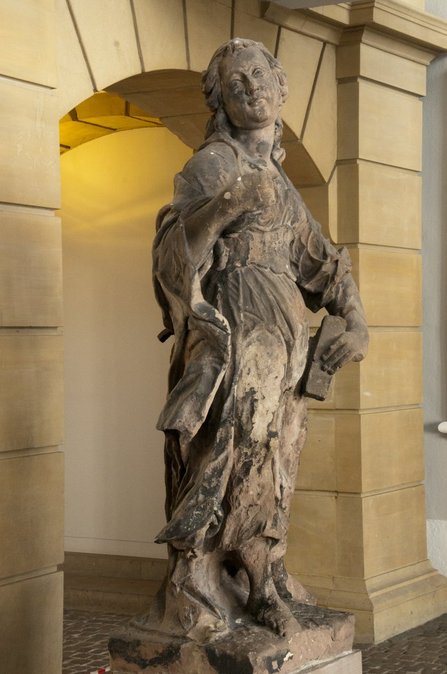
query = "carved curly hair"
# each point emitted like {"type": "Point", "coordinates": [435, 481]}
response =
{"type": "Point", "coordinates": [212, 90]}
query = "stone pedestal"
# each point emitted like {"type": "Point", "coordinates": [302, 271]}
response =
{"type": "Point", "coordinates": [323, 645]}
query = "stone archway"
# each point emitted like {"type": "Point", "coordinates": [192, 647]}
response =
{"type": "Point", "coordinates": [354, 161]}
{"type": "Point", "coordinates": [385, 47]}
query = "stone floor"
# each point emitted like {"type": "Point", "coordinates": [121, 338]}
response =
{"type": "Point", "coordinates": [420, 651]}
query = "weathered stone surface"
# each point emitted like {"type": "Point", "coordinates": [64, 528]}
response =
{"type": "Point", "coordinates": [316, 380]}
{"type": "Point", "coordinates": [247, 649]}
{"type": "Point", "coordinates": [237, 259]}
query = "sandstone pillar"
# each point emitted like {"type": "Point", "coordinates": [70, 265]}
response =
{"type": "Point", "coordinates": [358, 536]}
{"type": "Point", "coordinates": [31, 467]}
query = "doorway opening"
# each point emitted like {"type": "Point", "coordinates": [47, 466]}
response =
{"type": "Point", "coordinates": [115, 368]}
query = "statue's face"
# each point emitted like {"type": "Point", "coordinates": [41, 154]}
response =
{"type": "Point", "coordinates": [250, 91]}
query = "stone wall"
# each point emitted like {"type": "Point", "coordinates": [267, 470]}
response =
{"type": "Point", "coordinates": [31, 465]}
{"type": "Point", "coordinates": [363, 166]}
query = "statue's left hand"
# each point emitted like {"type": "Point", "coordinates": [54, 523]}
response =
{"type": "Point", "coordinates": [351, 345]}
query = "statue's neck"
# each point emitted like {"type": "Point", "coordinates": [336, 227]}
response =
{"type": "Point", "coordinates": [257, 143]}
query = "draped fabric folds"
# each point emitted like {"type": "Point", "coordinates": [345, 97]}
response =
{"type": "Point", "coordinates": [234, 418]}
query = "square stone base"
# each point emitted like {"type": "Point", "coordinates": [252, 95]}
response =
{"type": "Point", "coordinates": [323, 645]}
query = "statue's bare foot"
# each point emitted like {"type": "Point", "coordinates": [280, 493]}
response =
{"type": "Point", "coordinates": [274, 614]}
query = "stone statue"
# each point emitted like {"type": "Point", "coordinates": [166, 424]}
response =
{"type": "Point", "coordinates": [237, 259]}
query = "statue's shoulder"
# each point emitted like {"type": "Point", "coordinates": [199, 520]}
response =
{"type": "Point", "coordinates": [214, 165]}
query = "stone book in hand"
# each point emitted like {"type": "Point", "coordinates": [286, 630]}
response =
{"type": "Point", "coordinates": [316, 381]}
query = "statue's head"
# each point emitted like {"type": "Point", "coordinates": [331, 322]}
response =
{"type": "Point", "coordinates": [245, 87]}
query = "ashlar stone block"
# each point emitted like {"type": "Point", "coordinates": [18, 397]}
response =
{"type": "Point", "coordinates": [380, 63]}
{"type": "Point", "coordinates": [368, 385]}
{"type": "Point", "coordinates": [402, 514]}
{"type": "Point", "coordinates": [209, 25]}
{"type": "Point", "coordinates": [32, 56]}
{"type": "Point", "coordinates": [362, 549]}
{"type": "Point", "coordinates": [31, 272]}
{"type": "Point", "coordinates": [390, 285]}
{"type": "Point", "coordinates": [379, 205]}
{"type": "Point", "coordinates": [320, 131]}
{"type": "Point", "coordinates": [31, 390]}
{"type": "Point", "coordinates": [112, 52]}
{"type": "Point", "coordinates": [317, 469]}
{"type": "Point", "coordinates": [251, 26]}
{"type": "Point", "coordinates": [299, 56]}
{"type": "Point", "coordinates": [370, 127]}
{"type": "Point", "coordinates": [29, 145]}
{"type": "Point", "coordinates": [160, 24]}
{"type": "Point", "coordinates": [31, 625]}
{"type": "Point", "coordinates": [379, 450]}
{"type": "Point", "coordinates": [322, 203]}
{"type": "Point", "coordinates": [75, 84]}
{"type": "Point", "coordinates": [359, 453]}
{"type": "Point", "coordinates": [312, 538]}
{"type": "Point", "coordinates": [31, 513]}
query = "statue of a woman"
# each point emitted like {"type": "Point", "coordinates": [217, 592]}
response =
{"type": "Point", "coordinates": [237, 258]}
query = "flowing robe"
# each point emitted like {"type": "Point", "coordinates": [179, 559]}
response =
{"type": "Point", "coordinates": [235, 419]}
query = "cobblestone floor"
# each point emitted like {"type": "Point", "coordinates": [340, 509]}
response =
{"type": "Point", "coordinates": [86, 635]}
{"type": "Point", "coordinates": [420, 651]}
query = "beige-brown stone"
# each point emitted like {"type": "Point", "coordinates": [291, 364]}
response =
{"type": "Point", "coordinates": [74, 81]}
{"type": "Point", "coordinates": [353, 546]}
{"type": "Point", "coordinates": [379, 205]}
{"type": "Point", "coordinates": [300, 166]}
{"type": "Point", "coordinates": [248, 24]}
{"type": "Point", "coordinates": [189, 128]}
{"type": "Point", "coordinates": [390, 285]}
{"type": "Point", "coordinates": [393, 511]}
{"type": "Point", "coordinates": [355, 453]}
{"type": "Point", "coordinates": [324, 637]}
{"type": "Point", "coordinates": [369, 385]}
{"type": "Point", "coordinates": [308, 23]}
{"type": "Point", "coordinates": [31, 625]}
{"type": "Point", "coordinates": [318, 458]}
{"type": "Point", "coordinates": [362, 549]}
{"type": "Point", "coordinates": [114, 566]}
{"type": "Point", "coordinates": [417, 4]}
{"type": "Point", "coordinates": [387, 604]}
{"type": "Point", "coordinates": [177, 102]}
{"type": "Point", "coordinates": [399, 383]}
{"type": "Point", "coordinates": [312, 539]}
{"type": "Point", "coordinates": [321, 200]}
{"type": "Point", "coordinates": [299, 55]}
{"type": "Point", "coordinates": [209, 25]}
{"type": "Point", "coordinates": [112, 52]}
{"type": "Point", "coordinates": [31, 272]}
{"type": "Point", "coordinates": [322, 114]}
{"type": "Point", "coordinates": [31, 392]}
{"type": "Point", "coordinates": [379, 450]}
{"type": "Point", "coordinates": [375, 62]}
{"type": "Point", "coordinates": [20, 22]}
{"type": "Point", "coordinates": [31, 513]}
{"type": "Point", "coordinates": [159, 25]}
{"type": "Point", "coordinates": [406, 22]}
{"type": "Point", "coordinates": [29, 145]}
{"type": "Point", "coordinates": [369, 127]}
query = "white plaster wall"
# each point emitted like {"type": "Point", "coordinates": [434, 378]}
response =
{"type": "Point", "coordinates": [115, 368]}
{"type": "Point", "coordinates": [435, 299]}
